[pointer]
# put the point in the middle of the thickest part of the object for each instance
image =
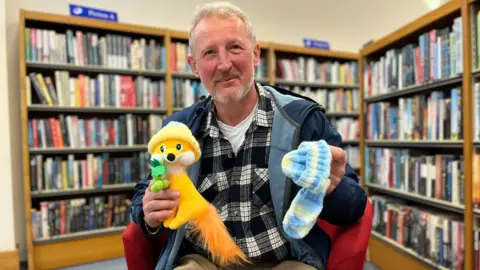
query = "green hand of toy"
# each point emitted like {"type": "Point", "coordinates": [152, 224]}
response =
{"type": "Point", "coordinates": [158, 172]}
{"type": "Point", "coordinates": [159, 185]}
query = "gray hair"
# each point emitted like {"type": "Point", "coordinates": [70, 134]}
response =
{"type": "Point", "coordinates": [223, 9]}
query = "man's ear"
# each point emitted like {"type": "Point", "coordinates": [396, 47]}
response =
{"type": "Point", "coordinates": [192, 64]}
{"type": "Point", "coordinates": [256, 54]}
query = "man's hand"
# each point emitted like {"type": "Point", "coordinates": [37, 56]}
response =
{"type": "Point", "coordinates": [337, 167]}
{"type": "Point", "coordinates": [158, 206]}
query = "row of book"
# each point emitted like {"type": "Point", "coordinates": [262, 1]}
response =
{"type": "Point", "coordinates": [353, 156]}
{"type": "Point", "coordinates": [66, 130]}
{"type": "Point", "coordinates": [60, 218]}
{"type": "Point", "coordinates": [434, 116]}
{"type": "Point", "coordinates": [333, 100]}
{"type": "Point", "coordinates": [432, 235]}
{"type": "Point", "coordinates": [474, 23]}
{"type": "Point", "coordinates": [310, 69]}
{"type": "Point", "coordinates": [348, 128]}
{"type": "Point", "coordinates": [103, 90]}
{"type": "Point", "coordinates": [437, 55]}
{"type": "Point", "coordinates": [79, 47]}
{"type": "Point", "coordinates": [476, 245]}
{"type": "Point", "coordinates": [61, 173]}
{"type": "Point", "coordinates": [476, 110]}
{"type": "Point", "coordinates": [178, 57]}
{"type": "Point", "coordinates": [261, 70]}
{"type": "Point", "coordinates": [436, 176]}
{"type": "Point", "coordinates": [186, 92]}
{"type": "Point", "coordinates": [476, 179]}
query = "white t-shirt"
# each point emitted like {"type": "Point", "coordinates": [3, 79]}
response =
{"type": "Point", "coordinates": [236, 134]}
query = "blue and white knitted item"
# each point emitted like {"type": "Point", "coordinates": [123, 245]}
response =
{"type": "Point", "coordinates": [308, 167]}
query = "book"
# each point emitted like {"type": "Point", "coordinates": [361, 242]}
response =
{"type": "Point", "coordinates": [53, 219]}
{"type": "Point", "coordinates": [88, 48]}
{"type": "Point", "coordinates": [432, 235]}
{"type": "Point", "coordinates": [94, 171]}
{"type": "Point", "coordinates": [310, 69]}
{"type": "Point", "coordinates": [437, 55]}
{"type": "Point", "coordinates": [97, 91]}
{"type": "Point", "coordinates": [79, 131]}
{"type": "Point", "coordinates": [432, 116]}
{"type": "Point", "coordinates": [435, 176]}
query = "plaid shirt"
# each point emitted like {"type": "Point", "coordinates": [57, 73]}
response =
{"type": "Point", "coordinates": [238, 185]}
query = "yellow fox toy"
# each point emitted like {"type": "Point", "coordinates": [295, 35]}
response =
{"type": "Point", "coordinates": [176, 148]}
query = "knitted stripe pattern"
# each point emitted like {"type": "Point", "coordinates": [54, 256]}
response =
{"type": "Point", "coordinates": [308, 167]}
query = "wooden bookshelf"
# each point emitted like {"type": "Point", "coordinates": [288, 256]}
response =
{"type": "Point", "coordinates": [314, 52]}
{"type": "Point", "coordinates": [431, 202]}
{"type": "Point", "coordinates": [95, 243]}
{"type": "Point", "coordinates": [388, 254]}
{"type": "Point", "coordinates": [416, 26]}
{"type": "Point", "coordinates": [89, 248]}
{"type": "Point", "coordinates": [329, 89]}
{"type": "Point", "coordinates": [385, 251]}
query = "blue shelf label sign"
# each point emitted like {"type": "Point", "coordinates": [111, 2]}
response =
{"type": "Point", "coordinates": [318, 44]}
{"type": "Point", "coordinates": [92, 13]}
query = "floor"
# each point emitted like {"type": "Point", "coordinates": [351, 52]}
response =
{"type": "Point", "coordinates": [119, 264]}
{"type": "Point", "coordinates": [369, 266]}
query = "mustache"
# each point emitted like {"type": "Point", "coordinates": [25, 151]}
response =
{"type": "Point", "coordinates": [226, 76]}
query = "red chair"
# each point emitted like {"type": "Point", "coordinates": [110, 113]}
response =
{"type": "Point", "coordinates": [349, 245]}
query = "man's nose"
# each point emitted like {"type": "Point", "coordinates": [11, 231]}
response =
{"type": "Point", "coordinates": [224, 63]}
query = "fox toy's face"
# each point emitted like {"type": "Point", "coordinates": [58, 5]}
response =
{"type": "Point", "coordinates": [176, 152]}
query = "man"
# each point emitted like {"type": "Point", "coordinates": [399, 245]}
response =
{"type": "Point", "coordinates": [245, 129]}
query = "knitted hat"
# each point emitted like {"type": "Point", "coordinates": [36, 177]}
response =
{"type": "Point", "coordinates": [175, 131]}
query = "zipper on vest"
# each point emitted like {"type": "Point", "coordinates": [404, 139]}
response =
{"type": "Point", "coordinates": [288, 189]}
{"type": "Point", "coordinates": [295, 144]}
{"type": "Point", "coordinates": [166, 253]}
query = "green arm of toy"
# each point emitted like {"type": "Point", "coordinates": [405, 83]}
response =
{"type": "Point", "coordinates": [158, 172]}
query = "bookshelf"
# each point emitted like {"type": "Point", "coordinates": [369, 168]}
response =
{"type": "Point", "coordinates": [81, 117]}
{"type": "Point", "coordinates": [416, 141]}
{"type": "Point", "coordinates": [329, 77]}
{"type": "Point", "coordinates": [84, 131]}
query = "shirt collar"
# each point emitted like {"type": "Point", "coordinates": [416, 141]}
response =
{"type": "Point", "coordinates": [263, 117]}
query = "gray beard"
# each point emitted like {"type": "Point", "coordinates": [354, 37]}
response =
{"type": "Point", "coordinates": [238, 96]}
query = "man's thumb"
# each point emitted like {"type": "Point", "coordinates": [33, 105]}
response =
{"type": "Point", "coordinates": [150, 184]}
{"type": "Point", "coordinates": [338, 154]}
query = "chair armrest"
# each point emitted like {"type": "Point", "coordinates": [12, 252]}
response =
{"type": "Point", "coordinates": [349, 245]}
{"type": "Point", "coordinates": [141, 251]}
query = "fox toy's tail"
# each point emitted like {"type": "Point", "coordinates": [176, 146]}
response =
{"type": "Point", "coordinates": [216, 238]}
